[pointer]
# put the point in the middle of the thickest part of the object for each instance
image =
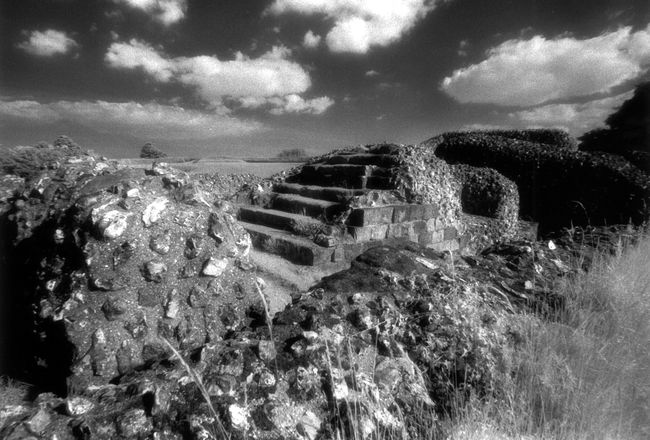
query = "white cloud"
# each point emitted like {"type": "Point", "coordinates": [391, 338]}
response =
{"type": "Point", "coordinates": [311, 40]}
{"type": "Point", "coordinates": [149, 120]}
{"type": "Point", "coordinates": [371, 73]}
{"type": "Point", "coordinates": [360, 25]}
{"type": "Point", "coordinates": [165, 11]}
{"type": "Point", "coordinates": [576, 118]}
{"type": "Point", "coordinates": [289, 104]}
{"type": "Point", "coordinates": [270, 77]}
{"type": "Point", "coordinates": [296, 104]}
{"type": "Point", "coordinates": [535, 71]}
{"type": "Point", "coordinates": [47, 43]}
{"type": "Point", "coordinates": [137, 54]}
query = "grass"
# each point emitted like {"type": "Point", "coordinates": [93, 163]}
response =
{"type": "Point", "coordinates": [584, 374]}
{"type": "Point", "coordinates": [13, 392]}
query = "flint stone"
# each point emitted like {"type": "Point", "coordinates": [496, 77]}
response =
{"type": "Point", "coordinates": [161, 243]}
{"type": "Point", "coordinates": [134, 424]}
{"type": "Point", "coordinates": [153, 212]}
{"type": "Point", "coordinates": [214, 267]}
{"type": "Point", "coordinates": [76, 406]}
{"type": "Point", "coordinates": [113, 308]}
{"type": "Point", "coordinates": [154, 271]}
{"type": "Point", "coordinates": [193, 247]}
{"type": "Point", "coordinates": [112, 224]}
{"type": "Point", "coordinates": [138, 327]}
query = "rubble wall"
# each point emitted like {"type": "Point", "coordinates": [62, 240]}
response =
{"type": "Point", "coordinates": [103, 263]}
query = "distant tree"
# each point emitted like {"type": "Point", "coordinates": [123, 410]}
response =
{"type": "Point", "coordinates": [64, 141]}
{"type": "Point", "coordinates": [150, 152]}
{"type": "Point", "coordinates": [628, 128]}
{"type": "Point", "coordinates": [42, 144]}
{"type": "Point", "coordinates": [628, 131]}
{"type": "Point", "coordinates": [293, 154]}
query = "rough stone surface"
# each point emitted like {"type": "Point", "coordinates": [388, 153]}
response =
{"type": "Point", "coordinates": [100, 271]}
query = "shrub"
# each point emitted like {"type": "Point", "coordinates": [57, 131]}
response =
{"type": "Point", "coordinates": [149, 151]}
{"type": "Point", "coordinates": [557, 186]}
{"type": "Point", "coordinates": [297, 154]}
{"type": "Point", "coordinates": [554, 137]}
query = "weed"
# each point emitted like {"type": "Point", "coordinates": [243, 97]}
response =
{"type": "Point", "coordinates": [204, 392]}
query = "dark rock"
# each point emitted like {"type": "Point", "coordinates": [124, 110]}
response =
{"type": "Point", "coordinates": [138, 326]}
{"type": "Point", "coordinates": [149, 296]}
{"type": "Point", "coordinates": [193, 247]}
{"type": "Point", "coordinates": [122, 254]}
{"type": "Point", "coordinates": [216, 228]}
{"type": "Point", "coordinates": [198, 297]}
{"type": "Point", "coordinates": [114, 307]}
{"type": "Point", "coordinates": [106, 284]}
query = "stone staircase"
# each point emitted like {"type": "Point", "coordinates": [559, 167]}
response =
{"type": "Point", "coordinates": [308, 219]}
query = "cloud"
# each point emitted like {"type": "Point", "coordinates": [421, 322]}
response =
{"type": "Point", "coordinates": [371, 73]}
{"type": "Point", "coordinates": [289, 104]}
{"type": "Point", "coordinates": [149, 120]}
{"type": "Point", "coordinates": [311, 40]}
{"type": "Point", "coordinates": [270, 77]}
{"type": "Point", "coordinates": [360, 25]}
{"type": "Point", "coordinates": [47, 43]}
{"type": "Point", "coordinates": [576, 118]}
{"type": "Point", "coordinates": [535, 71]}
{"type": "Point", "coordinates": [136, 54]}
{"type": "Point", "coordinates": [166, 12]}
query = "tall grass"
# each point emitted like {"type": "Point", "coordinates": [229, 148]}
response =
{"type": "Point", "coordinates": [584, 375]}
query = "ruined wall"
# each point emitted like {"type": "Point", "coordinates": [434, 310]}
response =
{"type": "Point", "coordinates": [112, 260]}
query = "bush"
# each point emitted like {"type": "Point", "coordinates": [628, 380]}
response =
{"type": "Point", "coordinates": [554, 137]}
{"type": "Point", "coordinates": [28, 162]}
{"type": "Point", "coordinates": [297, 154]}
{"type": "Point", "coordinates": [149, 151]}
{"type": "Point", "coordinates": [557, 186]}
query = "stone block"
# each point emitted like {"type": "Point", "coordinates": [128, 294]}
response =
{"type": "Point", "coordinates": [371, 216]}
{"type": "Point", "coordinates": [419, 226]}
{"type": "Point", "coordinates": [397, 230]}
{"type": "Point", "coordinates": [432, 224]}
{"type": "Point", "coordinates": [368, 233]}
{"type": "Point", "coordinates": [451, 233]}
{"type": "Point", "coordinates": [430, 212]}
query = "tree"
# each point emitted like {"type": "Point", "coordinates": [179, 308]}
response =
{"type": "Point", "coordinates": [64, 141]}
{"type": "Point", "coordinates": [297, 154]}
{"type": "Point", "coordinates": [150, 152]}
{"type": "Point", "coordinates": [628, 130]}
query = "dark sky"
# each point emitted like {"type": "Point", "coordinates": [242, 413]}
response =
{"type": "Point", "coordinates": [253, 77]}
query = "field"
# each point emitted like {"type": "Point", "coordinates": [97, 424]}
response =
{"type": "Point", "coordinates": [216, 166]}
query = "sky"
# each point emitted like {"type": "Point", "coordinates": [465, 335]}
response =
{"type": "Point", "coordinates": [250, 78]}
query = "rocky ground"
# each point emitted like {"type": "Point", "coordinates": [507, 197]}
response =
{"type": "Point", "coordinates": [148, 319]}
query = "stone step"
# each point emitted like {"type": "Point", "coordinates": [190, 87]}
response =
{"type": "Point", "coordinates": [331, 193]}
{"type": "Point", "coordinates": [381, 160]}
{"type": "Point", "coordinates": [349, 182]}
{"type": "Point", "coordinates": [298, 250]}
{"type": "Point", "coordinates": [307, 206]}
{"type": "Point", "coordinates": [295, 223]}
{"type": "Point", "coordinates": [323, 169]}
{"type": "Point", "coordinates": [385, 149]}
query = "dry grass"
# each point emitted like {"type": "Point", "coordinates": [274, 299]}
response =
{"type": "Point", "coordinates": [585, 375]}
{"type": "Point", "coordinates": [12, 392]}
